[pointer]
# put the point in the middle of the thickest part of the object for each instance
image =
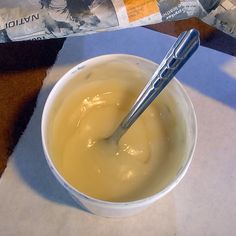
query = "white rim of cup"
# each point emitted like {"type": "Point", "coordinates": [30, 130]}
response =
{"type": "Point", "coordinates": [72, 190]}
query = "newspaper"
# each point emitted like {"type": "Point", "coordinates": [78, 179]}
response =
{"type": "Point", "coordinates": [44, 19]}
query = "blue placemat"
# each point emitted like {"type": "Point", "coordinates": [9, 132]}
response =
{"type": "Point", "coordinates": [203, 72]}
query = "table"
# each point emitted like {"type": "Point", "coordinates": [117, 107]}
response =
{"type": "Point", "coordinates": [24, 66]}
{"type": "Point", "coordinates": [202, 204]}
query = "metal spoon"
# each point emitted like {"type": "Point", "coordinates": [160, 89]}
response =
{"type": "Point", "coordinates": [186, 44]}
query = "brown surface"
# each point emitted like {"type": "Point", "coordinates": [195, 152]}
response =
{"type": "Point", "coordinates": [210, 37]}
{"type": "Point", "coordinates": [17, 95]}
{"type": "Point", "coordinates": [23, 67]}
{"type": "Point", "coordinates": [174, 28]}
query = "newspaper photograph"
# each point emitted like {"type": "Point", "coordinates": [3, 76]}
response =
{"type": "Point", "coordinates": [45, 19]}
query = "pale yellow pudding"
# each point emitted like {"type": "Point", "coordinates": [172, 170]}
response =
{"type": "Point", "coordinates": [148, 155]}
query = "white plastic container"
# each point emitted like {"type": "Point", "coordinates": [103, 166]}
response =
{"type": "Point", "coordinates": [119, 209]}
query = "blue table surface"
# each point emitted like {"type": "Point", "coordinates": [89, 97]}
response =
{"type": "Point", "coordinates": [202, 72]}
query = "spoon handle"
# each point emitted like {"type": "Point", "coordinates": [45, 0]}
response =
{"type": "Point", "coordinates": [186, 44]}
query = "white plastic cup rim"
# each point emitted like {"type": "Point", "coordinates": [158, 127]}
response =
{"type": "Point", "coordinates": [97, 206]}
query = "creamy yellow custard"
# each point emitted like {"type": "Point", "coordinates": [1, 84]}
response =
{"type": "Point", "coordinates": [147, 156]}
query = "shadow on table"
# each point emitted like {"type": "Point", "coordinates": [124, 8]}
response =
{"type": "Point", "coordinates": [31, 164]}
{"type": "Point", "coordinates": [215, 77]}
{"type": "Point", "coordinates": [205, 71]}
{"type": "Point", "coordinates": [21, 56]}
